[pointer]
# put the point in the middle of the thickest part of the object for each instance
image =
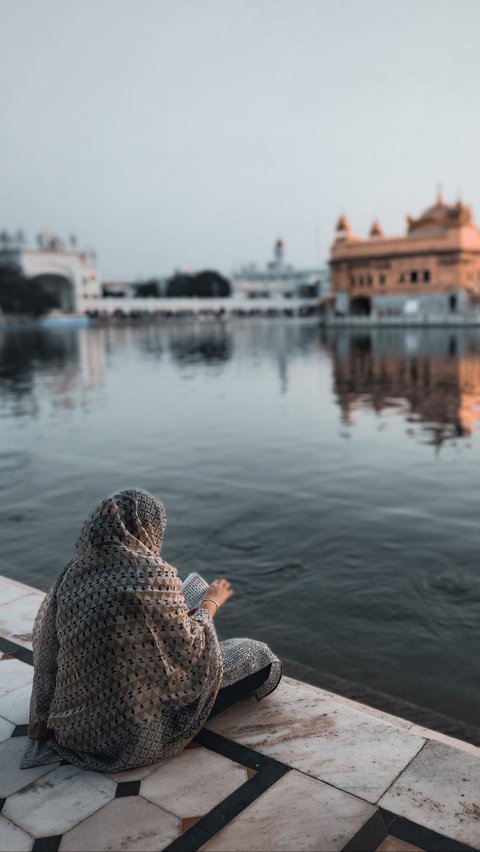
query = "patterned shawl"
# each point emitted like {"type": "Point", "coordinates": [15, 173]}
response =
{"type": "Point", "coordinates": [123, 675]}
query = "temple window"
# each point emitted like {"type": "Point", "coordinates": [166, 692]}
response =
{"type": "Point", "coordinates": [414, 277]}
{"type": "Point", "coordinates": [382, 279]}
{"type": "Point", "coordinates": [426, 275]}
{"type": "Point", "coordinates": [402, 278]}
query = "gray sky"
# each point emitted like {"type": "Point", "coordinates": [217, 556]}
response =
{"type": "Point", "coordinates": [191, 133]}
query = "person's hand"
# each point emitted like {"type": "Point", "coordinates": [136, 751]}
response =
{"type": "Point", "coordinates": [218, 591]}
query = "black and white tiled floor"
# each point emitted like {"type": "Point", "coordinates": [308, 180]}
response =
{"type": "Point", "coordinates": [305, 770]}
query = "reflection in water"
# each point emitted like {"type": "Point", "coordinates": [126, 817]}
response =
{"type": "Point", "coordinates": [23, 351]}
{"type": "Point", "coordinates": [67, 362]}
{"type": "Point", "coordinates": [430, 376]}
{"type": "Point", "coordinates": [74, 360]}
{"type": "Point", "coordinates": [211, 344]}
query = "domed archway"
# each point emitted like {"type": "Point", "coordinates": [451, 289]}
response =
{"type": "Point", "coordinates": [59, 287]}
{"type": "Point", "coordinates": [361, 306]}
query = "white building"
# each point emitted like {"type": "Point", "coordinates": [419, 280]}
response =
{"type": "Point", "coordinates": [284, 284]}
{"type": "Point", "coordinates": [70, 274]}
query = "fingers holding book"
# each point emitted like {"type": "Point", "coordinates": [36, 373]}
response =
{"type": "Point", "coordinates": [198, 592]}
{"type": "Point", "coordinates": [219, 591]}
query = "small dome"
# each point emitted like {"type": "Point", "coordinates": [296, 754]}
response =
{"type": "Point", "coordinates": [343, 224]}
{"type": "Point", "coordinates": [376, 230]}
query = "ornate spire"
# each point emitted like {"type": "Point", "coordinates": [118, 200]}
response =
{"type": "Point", "coordinates": [279, 251]}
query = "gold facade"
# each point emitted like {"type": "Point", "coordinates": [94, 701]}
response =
{"type": "Point", "coordinates": [439, 254]}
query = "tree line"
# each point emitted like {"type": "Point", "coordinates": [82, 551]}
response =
{"type": "Point", "coordinates": [207, 284]}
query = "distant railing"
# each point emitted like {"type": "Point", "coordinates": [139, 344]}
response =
{"type": "Point", "coordinates": [111, 306]}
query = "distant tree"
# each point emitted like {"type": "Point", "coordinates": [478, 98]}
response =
{"type": "Point", "coordinates": [20, 237]}
{"type": "Point", "coordinates": [20, 296]}
{"type": "Point", "coordinates": [146, 289]}
{"type": "Point", "coordinates": [211, 283]}
{"type": "Point", "coordinates": [206, 284]}
{"type": "Point", "coordinates": [117, 294]}
{"type": "Point", "coordinates": [4, 238]}
{"type": "Point", "coordinates": [178, 286]}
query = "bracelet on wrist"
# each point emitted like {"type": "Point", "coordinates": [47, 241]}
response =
{"type": "Point", "coordinates": [204, 600]}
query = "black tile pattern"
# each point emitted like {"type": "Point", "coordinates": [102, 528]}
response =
{"type": "Point", "coordinates": [384, 823]}
{"type": "Point", "coordinates": [20, 731]}
{"type": "Point", "coordinates": [419, 836]}
{"type": "Point", "coordinates": [369, 836]}
{"type": "Point", "coordinates": [47, 844]}
{"type": "Point", "coordinates": [267, 772]}
{"type": "Point", "coordinates": [127, 788]}
{"type": "Point", "coordinates": [25, 655]}
{"type": "Point", "coordinates": [237, 753]}
{"type": "Point", "coordinates": [2, 802]}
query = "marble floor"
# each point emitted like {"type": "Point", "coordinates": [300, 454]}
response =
{"type": "Point", "coordinates": [304, 769]}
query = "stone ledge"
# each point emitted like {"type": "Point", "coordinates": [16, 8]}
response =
{"type": "Point", "coordinates": [306, 768]}
{"type": "Point", "coordinates": [389, 704]}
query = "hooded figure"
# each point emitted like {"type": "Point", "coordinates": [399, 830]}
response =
{"type": "Point", "coordinates": [123, 675]}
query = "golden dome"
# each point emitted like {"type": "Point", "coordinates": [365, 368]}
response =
{"type": "Point", "coordinates": [441, 216]}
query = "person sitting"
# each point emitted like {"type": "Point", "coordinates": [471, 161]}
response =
{"type": "Point", "coordinates": [124, 674]}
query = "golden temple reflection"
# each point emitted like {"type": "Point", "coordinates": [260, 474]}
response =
{"type": "Point", "coordinates": [429, 378]}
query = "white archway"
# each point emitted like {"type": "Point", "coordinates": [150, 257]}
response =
{"type": "Point", "coordinates": [59, 287]}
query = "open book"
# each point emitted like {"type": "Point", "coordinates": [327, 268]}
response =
{"type": "Point", "coordinates": [194, 588]}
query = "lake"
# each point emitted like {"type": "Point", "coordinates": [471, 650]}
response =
{"type": "Point", "coordinates": [331, 476]}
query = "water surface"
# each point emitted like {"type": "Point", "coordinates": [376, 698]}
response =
{"type": "Point", "coordinates": [332, 477]}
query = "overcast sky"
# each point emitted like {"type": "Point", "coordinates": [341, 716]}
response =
{"type": "Point", "coordinates": [192, 133]}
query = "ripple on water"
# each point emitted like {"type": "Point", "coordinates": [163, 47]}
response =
{"type": "Point", "coordinates": [13, 464]}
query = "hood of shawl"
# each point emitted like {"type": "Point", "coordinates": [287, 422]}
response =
{"type": "Point", "coordinates": [132, 519]}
